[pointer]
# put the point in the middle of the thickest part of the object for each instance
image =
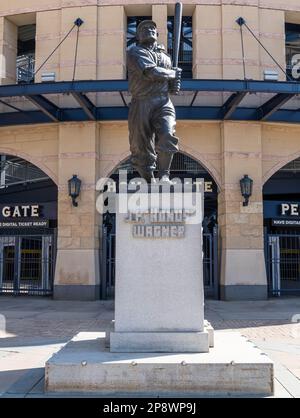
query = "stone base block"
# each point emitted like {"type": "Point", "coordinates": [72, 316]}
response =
{"type": "Point", "coordinates": [233, 367]}
{"type": "Point", "coordinates": [159, 342]}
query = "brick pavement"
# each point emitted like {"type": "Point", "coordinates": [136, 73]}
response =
{"type": "Point", "coordinates": [38, 327]}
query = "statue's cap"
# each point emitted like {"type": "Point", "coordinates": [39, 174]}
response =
{"type": "Point", "coordinates": [143, 23]}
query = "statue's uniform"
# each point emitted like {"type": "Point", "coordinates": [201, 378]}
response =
{"type": "Point", "coordinates": [152, 116]}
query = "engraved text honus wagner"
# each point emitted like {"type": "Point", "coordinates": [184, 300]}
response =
{"type": "Point", "coordinates": [158, 224]}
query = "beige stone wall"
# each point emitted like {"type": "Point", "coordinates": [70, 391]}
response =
{"type": "Point", "coordinates": [228, 150]}
{"type": "Point", "coordinates": [280, 146]}
{"type": "Point", "coordinates": [78, 234]}
{"type": "Point", "coordinates": [112, 43]}
{"type": "Point", "coordinates": [217, 48]}
{"type": "Point", "coordinates": [241, 228]}
{"type": "Point", "coordinates": [19, 6]}
{"type": "Point", "coordinates": [114, 146]}
{"type": "Point", "coordinates": [272, 35]}
{"type": "Point", "coordinates": [48, 25]}
{"type": "Point", "coordinates": [101, 50]}
{"type": "Point", "coordinates": [160, 16]}
{"type": "Point", "coordinates": [207, 42]}
{"type": "Point", "coordinates": [8, 51]}
{"type": "Point", "coordinates": [38, 144]}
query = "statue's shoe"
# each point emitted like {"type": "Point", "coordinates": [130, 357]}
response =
{"type": "Point", "coordinates": [165, 180]}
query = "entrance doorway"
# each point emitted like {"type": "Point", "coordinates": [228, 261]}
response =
{"type": "Point", "coordinates": [183, 167]}
{"type": "Point", "coordinates": [283, 263]}
{"type": "Point", "coordinates": [282, 230]}
{"type": "Point", "coordinates": [27, 264]}
{"type": "Point", "coordinates": [28, 224]}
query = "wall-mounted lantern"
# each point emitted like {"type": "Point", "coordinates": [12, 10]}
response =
{"type": "Point", "coordinates": [246, 184]}
{"type": "Point", "coordinates": [74, 188]}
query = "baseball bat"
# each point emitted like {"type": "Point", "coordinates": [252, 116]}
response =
{"type": "Point", "coordinates": [177, 33]}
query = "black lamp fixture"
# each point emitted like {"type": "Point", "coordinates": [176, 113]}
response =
{"type": "Point", "coordinates": [74, 188]}
{"type": "Point", "coordinates": [246, 184]}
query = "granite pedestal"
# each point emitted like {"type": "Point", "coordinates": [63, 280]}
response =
{"type": "Point", "coordinates": [159, 299]}
{"type": "Point", "coordinates": [159, 344]}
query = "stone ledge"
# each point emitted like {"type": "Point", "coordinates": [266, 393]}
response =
{"type": "Point", "coordinates": [233, 367]}
{"type": "Point", "coordinates": [159, 342]}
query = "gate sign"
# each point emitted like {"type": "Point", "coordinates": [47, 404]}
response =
{"type": "Point", "coordinates": [22, 211]}
{"type": "Point", "coordinates": [22, 216]}
{"type": "Point", "coordinates": [290, 209]}
{"type": "Point", "coordinates": [289, 215]}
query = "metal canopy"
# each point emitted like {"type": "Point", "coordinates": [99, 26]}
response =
{"type": "Point", "coordinates": [271, 106]}
{"type": "Point", "coordinates": [232, 103]}
{"type": "Point", "coordinates": [86, 104]}
{"type": "Point", "coordinates": [47, 107]}
{"type": "Point", "coordinates": [232, 108]}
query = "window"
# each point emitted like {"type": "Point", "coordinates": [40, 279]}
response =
{"type": "Point", "coordinates": [26, 53]}
{"type": "Point", "coordinates": [292, 44]}
{"type": "Point", "coordinates": [186, 45]}
{"type": "Point", "coordinates": [132, 24]}
{"type": "Point", "coordinates": [15, 170]}
{"type": "Point", "coordinates": [185, 60]}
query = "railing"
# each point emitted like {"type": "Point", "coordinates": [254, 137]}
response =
{"type": "Point", "coordinates": [25, 68]}
{"type": "Point", "coordinates": [19, 172]}
{"type": "Point", "coordinates": [181, 162]}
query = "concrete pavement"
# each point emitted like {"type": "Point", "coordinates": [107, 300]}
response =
{"type": "Point", "coordinates": [38, 327]}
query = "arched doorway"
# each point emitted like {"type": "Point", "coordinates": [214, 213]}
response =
{"type": "Point", "coordinates": [28, 223]}
{"type": "Point", "coordinates": [183, 167]}
{"type": "Point", "coordinates": [282, 230]}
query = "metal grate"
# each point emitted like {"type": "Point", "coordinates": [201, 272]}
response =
{"type": "Point", "coordinates": [14, 171]}
{"type": "Point", "coordinates": [283, 263]}
{"type": "Point", "coordinates": [293, 166]}
{"type": "Point", "coordinates": [25, 68]}
{"type": "Point", "coordinates": [27, 264]}
{"type": "Point", "coordinates": [181, 163]}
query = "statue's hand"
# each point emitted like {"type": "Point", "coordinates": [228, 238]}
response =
{"type": "Point", "coordinates": [178, 72]}
{"type": "Point", "coordinates": [174, 85]}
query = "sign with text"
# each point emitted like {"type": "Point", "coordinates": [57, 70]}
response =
{"type": "Point", "coordinates": [274, 209]}
{"type": "Point", "coordinates": [290, 209]}
{"type": "Point", "coordinates": [286, 222]}
{"type": "Point", "coordinates": [24, 224]}
{"type": "Point", "coordinates": [22, 216]}
{"type": "Point", "coordinates": [20, 211]}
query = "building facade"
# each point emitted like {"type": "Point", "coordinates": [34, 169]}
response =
{"type": "Point", "coordinates": [232, 121]}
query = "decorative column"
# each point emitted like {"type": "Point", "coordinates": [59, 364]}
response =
{"type": "Point", "coordinates": [207, 42]}
{"type": "Point", "coordinates": [272, 35]}
{"type": "Point", "coordinates": [77, 267]}
{"type": "Point", "coordinates": [111, 43]}
{"type": "Point", "coordinates": [48, 36]}
{"type": "Point", "coordinates": [86, 65]}
{"type": "Point", "coordinates": [8, 51]}
{"type": "Point", "coordinates": [232, 57]}
{"type": "Point", "coordinates": [243, 273]}
{"type": "Point", "coordinates": [160, 17]}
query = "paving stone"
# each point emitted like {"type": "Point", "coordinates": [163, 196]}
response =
{"type": "Point", "coordinates": [38, 327]}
